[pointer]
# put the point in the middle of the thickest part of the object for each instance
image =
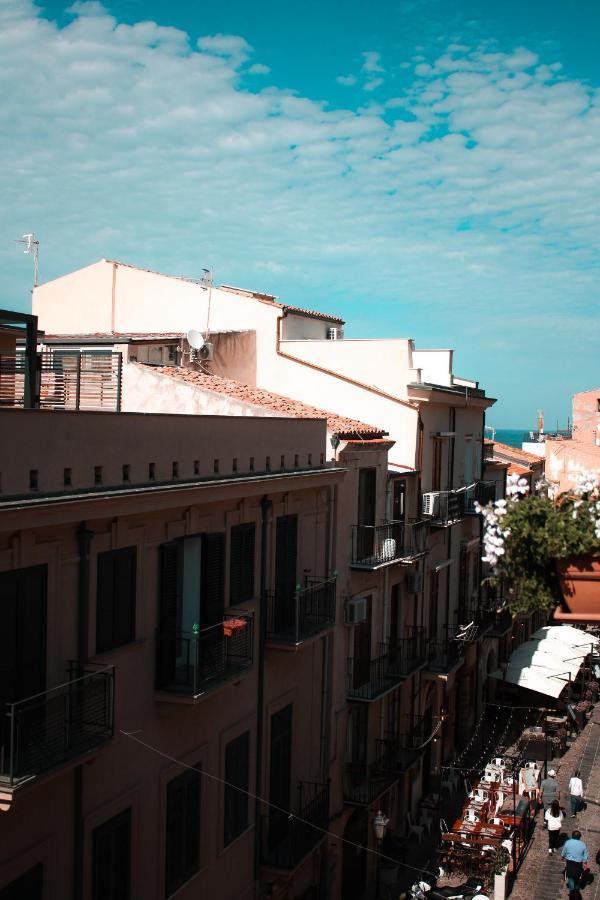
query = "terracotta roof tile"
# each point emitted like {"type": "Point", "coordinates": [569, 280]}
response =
{"type": "Point", "coordinates": [285, 406]}
{"type": "Point", "coordinates": [514, 469]}
{"type": "Point", "coordinates": [272, 300]}
{"type": "Point", "coordinates": [516, 453]}
{"type": "Point", "coordinates": [117, 336]}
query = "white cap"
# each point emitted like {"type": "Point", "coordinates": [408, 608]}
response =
{"type": "Point", "coordinates": [551, 773]}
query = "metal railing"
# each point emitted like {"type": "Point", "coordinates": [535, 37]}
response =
{"type": "Point", "coordinates": [66, 379]}
{"type": "Point", "coordinates": [450, 506]}
{"type": "Point", "coordinates": [288, 837]}
{"type": "Point", "coordinates": [398, 752]}
{"type": "Point", "coordinates": [445, 653]}
{"type": "Point", "coordinates": [364, 782]}
{"type": "Point", "coordinates": [193, 663]}
{"type": "Point", "coordinates": [379, 545]}
{"type": "Point", "coordinates": [408, 653]}
{"type": "Point", "coordinates": [367, 679]}
{"type": "Point", "coordinates": [303, 614]}
{"type": "Point", "coordinates": [48, 730]}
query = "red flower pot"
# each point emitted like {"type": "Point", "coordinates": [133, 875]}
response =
{"type": "Point", "coordinates": [579, 579]}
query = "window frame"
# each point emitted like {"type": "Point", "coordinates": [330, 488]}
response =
{"type": "Point", "coordinates": [111, 594]}
{"type": "Point", "coordinates": [190, 779]}
{"type": "Point", "coordinates": [236, 814]}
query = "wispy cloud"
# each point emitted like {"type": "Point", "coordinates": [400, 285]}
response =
{"type": "Point", "coordinates": [472, 193]}
{"type": "Point", "coordinates": [347, 80]}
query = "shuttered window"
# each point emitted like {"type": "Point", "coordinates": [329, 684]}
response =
{"type": "Point", "coordinates": [237, 754]}
{"type": "Point", "coordinates": [286, 551]}
{"type": "Point", "coordinates": [115, 601]}
{"type": "Point", "coordinates": [213, 579]}
{"type": "Point", "coordinates": [111, 859]}
{"type": "Point", "coordinates": [182, 846]}
{"type": "Point", "coordinates": [241, 569]}
{"type": "Point", "coordinates": [367, 485]}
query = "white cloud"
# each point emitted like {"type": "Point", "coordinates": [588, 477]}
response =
{"type": "Point", "coordinates": [258, 69]}
{"type": "Point", "coordinates": [372, 62]}
{"type": "Point", "coordinates": [472, 193]}
{"type": "Point", "coordinates": [347, 80]}
{"type": "Point", "coordinates": [372, 84]}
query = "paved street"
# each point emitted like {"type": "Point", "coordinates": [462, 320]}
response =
{"type": "Point", "coordinates": [540, 876]}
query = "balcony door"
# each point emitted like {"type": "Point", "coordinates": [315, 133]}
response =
{"type": "Point", "coordinates": [280, 773]}
{"type": "Point", "coordinates": [286, 563]}
{"type": "Point", "coordinates": [192, 598]}
{"type": "Point", "coordinates": [361, 671]}
{"type": "Point", "coordinates": [23, 659]}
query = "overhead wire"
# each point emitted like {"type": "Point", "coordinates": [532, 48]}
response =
{"type": "Point", "coordinates": [289, 815]}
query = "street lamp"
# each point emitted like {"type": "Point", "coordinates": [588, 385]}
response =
{"type": "Point", "coordinates": [380, 823]}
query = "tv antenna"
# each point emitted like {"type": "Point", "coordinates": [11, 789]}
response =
{"type": "Point", "coordinates": [207, 282]}
{"type": "Point", "coordinates": [32, 245]}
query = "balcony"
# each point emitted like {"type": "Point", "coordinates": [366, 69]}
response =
{"type": "Point", "coordinates": [442, 508]}
{"type": "Point", "coordinates": [365, 782]}
{"type": "Point", "coordinates": [368, 679]}
{"type": "Point", "coordinates": [48, 730]}
{"type": "Point", "coordinates": [408, 654]}
{"type": "Point", "coordinates": [398, 753]}
{"type": "Point", "coordinates": [500, 620]}
{"type": "Point", "coordinates": [190, 665]}
{"type": "Point", "coordinates": [306, 613]}
{"type": "Point", "coordinates": [287, 838]}
{"type": "Point", "coordinates": [65, 379]}
{"type": "Point", "coordinates": [446, 654]}
{"type": "Point", "coordinates": [376, 546]}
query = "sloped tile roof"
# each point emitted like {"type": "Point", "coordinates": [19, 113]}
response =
{"type": "Point", "coordinates": [272, 300]}
{"type": "Point", "coordinates": [284, 406]}
{"type": "Point", "coordinates": [516, 453]}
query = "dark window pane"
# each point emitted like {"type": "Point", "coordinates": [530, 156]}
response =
{"type": "Point", "coordinates": [212, 599]}
{"type": "Point", "coordinates": [115, 599]}
{"type": "Point", "coordinates": [237, 754]}
{"type": "Point", "coordinates": [111, 859]}
{"type": "Point", "coordinates": [183, 830]}
{"type": "Point", "coordinates": [25, 887]}
{"type": "Point", "coordinates": [241, 570]}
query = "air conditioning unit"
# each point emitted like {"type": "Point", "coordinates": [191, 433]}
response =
{"type": "Point", "coordinates": [356, 610]}
{"type": "Point", "coordinates": [414, 582]}
{"type": "Point", "coordinates": [431, 503]}
{"type": "Point", "coordinates": [205, 352]}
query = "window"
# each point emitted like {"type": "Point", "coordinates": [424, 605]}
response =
{"type": "Point", "coordinates": [237, 757]}
{"type": "Point", "coordinates": [115, 601]}
{"type": "Point", "coordinates": [182, 848]}
{"type": "Point", "coordinates": [241, 569]}
{"type": "Point", "coordinates": [436, 465]}
{"type": "Point", "coordinates": [399, 499]}
{"type": "Point", "coordinates": [111, 859]}
{"type": "Point", "coordinates": [367, 481]}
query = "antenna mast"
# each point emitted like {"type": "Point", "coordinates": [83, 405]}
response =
{"type": "Point", "coordinates": [207, 282]}
{"type": "Point", "coordinates": [32, 245]}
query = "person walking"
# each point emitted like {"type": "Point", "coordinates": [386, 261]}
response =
{"type": "Point", "coordinates": [554, 818]}
{"type": "Point", "coordinates": [550, 789]}
{"type": "Point", "coordinates": [575, 854]}
{"type": "Point", "coordinates": [576, 793]}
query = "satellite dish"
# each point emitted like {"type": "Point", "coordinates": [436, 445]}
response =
{"type": "Point", "coordinates": [195, 339]}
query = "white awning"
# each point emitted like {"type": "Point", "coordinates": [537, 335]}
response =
{"type": "Point", "coordinates": [548, 661]}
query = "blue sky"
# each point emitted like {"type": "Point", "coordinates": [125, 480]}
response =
{"type": "Point", "coordinates": [424, 168]}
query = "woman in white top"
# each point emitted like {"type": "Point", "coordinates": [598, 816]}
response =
{"type": "Point", "coordinates": [576, 793]}
{"type": "Point", "coordinates": [553, 817]}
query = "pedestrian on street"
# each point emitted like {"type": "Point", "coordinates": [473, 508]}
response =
{"type": "Point", "coordinates": [554, 818]}
{"type": "Point", "coordinates": [550, 789]}
{"type": "Point", "coordinates": [575, 853]}
{"type": "Point", "coordinates": [576, 793]}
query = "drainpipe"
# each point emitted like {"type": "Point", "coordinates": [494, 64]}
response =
{"type": "Point", "coordinates": [265, 506]}
{"type": "Point", "coordinates": [84, 538]}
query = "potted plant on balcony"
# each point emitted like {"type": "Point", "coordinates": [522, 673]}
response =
{"type": "Point", "coordinates": [546, 547]}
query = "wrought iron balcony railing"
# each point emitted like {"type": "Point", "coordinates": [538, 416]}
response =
{"type": "Point", "coordinates": [446, 653]}
{"type": "Point", "coordinates": [287, 838]}
{"type": "Point", "coordinates": [408, 653]}
{"type": "Point", "coordinates": [445, 507]}
{"type": "Point", "coordinates": [374, 546]}
{"type": "Point", "coordinates": [367, 679]}
{"type": "Point", "coordinates": [305, 613]}
{"type": "Point", "coordinates": [46, 731]}
{"type": "Point", "coordinates": [364, 782]}
{"type": "Point", "coordinates": [192, 664]}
